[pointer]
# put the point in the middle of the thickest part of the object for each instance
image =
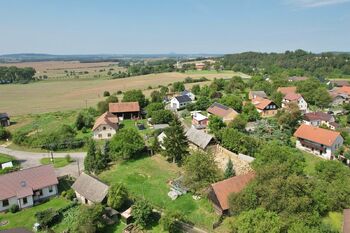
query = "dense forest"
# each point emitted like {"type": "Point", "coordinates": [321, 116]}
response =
{"type": "Point", "coordinates": [299, 62]}
{"type": "Point", "coordinates": [14, 74]}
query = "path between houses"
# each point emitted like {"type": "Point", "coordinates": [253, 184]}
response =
{"type": "Point", "coordinates": [32, 159]}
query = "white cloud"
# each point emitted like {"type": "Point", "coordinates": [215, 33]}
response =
{"type": "Point", "coordinates": [316, 3]}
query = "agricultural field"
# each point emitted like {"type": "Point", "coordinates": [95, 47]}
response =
{"type": "Point", "coordinates": [68, 94]}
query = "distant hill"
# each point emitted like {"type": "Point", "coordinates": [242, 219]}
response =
{"type": "Point", "coordinates": [31, 57]}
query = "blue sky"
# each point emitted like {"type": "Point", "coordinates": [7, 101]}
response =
{"type": "Point", "coordinates": [180, 26]}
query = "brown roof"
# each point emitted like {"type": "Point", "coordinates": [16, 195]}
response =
{"type": "Point", "coordinates": [286, 90]}
{"type": "Point", "coordinates": [106, 118]}
{"type": "Point", "coordinates": [124, 107]}
{"type": "Point", "coordinates": [261, 103]}
{"type": "Point", "coordinates": [343, 90]}
{"type": "Point", "coordinates": [340, 83]}
{"type": "Point", "coordinates": [22, 183]}
{"type": "Point", "coordinates": [315, 134]}
{"type": "Point", "coordinates": [346, 221]}
{"type": "Point", "coordinates": [220, 110]}
{"type": "Point", "coordinates": [224, 188]}
{"type": "Point", "coordinates": [292, 96]}
{"type": "Point", "coordinates": [314, 116]}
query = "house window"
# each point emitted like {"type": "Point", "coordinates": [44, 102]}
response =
{"type": "Point", "coordinates": [5, 203]}
{"type": "Point", "coordinates": [25, 201]}
{"type": "Point", "coordinates": [100, 135]}
{"type": "Point", "coordinates": [109, 135]}
{"type": "Point", "coordinates": [104, 128]}
{"type": "Point", "coordinates": [39, 193]}
{"type": "Point", "coordinates": [50, 189]}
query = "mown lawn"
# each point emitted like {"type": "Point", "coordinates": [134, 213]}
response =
{"type": "Point", "coordinates": [58, 162]}
{"type": "Point", "coordinates": [5, 158]}
{"type": "Point", "coordinates": [147, 178]}
{"type": "Point", "coordinates": [25, 218]}
{"type": "Point", "coordinates": [334, 219]}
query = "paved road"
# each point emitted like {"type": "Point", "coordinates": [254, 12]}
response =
{"type": "Point", "coordinates": [32, 159]}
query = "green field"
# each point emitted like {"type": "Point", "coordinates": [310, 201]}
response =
{"type": "Point", "coordinates": [57, 163]}
{"type": "Point", "coordinates": [25, 218]}
{"type": "Point", "coordinates": [147, 178]}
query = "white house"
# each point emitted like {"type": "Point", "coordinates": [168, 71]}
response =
{"type": "Point", "coordinates": [105, 126]}
{"type": "Point", "coordinates": [27, 186]}
{"type": "Point", "coordinates": [318, 119]}
{"type": "Point", "coordinates": [189, 94]}
{"type": "Point", "coordinates": [181, 101]}
{"type": "Point", "coordinates": [319, 141]}
{"type": "Point", "coordinates": [295, 98]}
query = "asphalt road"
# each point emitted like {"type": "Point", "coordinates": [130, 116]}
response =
{"type": "Point", "coordinates": [32, 159]}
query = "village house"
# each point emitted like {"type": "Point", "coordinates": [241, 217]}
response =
{"type": "Point", "coordinates": [189, 94]}
{"type": "Point", "coordinates": [225, 113]}
{"type": "Point", "coordinates": [199, 139]}
{"type": "Point", "coordinates": [89, 190]}
{"type": "Point", "coordinates": [287, 90]}
{"type": "Point", "coordinates": [318, 119]}
{"type": "Point", "coordinates": [105, 126]}
{"type": "Point", "coordinates": [295, 98]}
{"type": "Point", "coordinates": [28, 186]}
{"type": "Point", "coordinates": [255, 94]}
{"type": "Point", "coordinates": [265, 107]}
{"type": "Point", "coordinates": [339, 83]}
{"type": "Point", "coordinates": [125, 110]}
{"type": "Point", "coordinates": [319, 141]}
{"type": "Point", "coordinates": [219, 192]}
{"type": "Point", "coordinates": [200, 66]}
{"type": "Point", "coordinates": [4, 119]}
{"type": "Point", "coordinates": [340, 95]}
{"type": "Point", "coordinates": [199, 121]}
{"type": "Point", "coordinates": [180, 101]}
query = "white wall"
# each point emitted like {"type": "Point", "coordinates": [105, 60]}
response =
{"type": "Point", "coordinates": [103, 132]}
{"type": "Point", "coordinates": [82, 199]}
{"type": "Point", "coordinates": [12, 201]}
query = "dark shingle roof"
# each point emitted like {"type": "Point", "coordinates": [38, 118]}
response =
{"type": "Point", "coordinates": [183, 98]}
{"type": "Point", "coordinates": [198, 137]}
{"type": "Point", "coordinates": [4, 116]}
{"type": "Point", "coordinates": [90, 188]}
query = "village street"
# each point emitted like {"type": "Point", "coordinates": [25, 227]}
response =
{"type": "Point", "coordinates": [32, 159]}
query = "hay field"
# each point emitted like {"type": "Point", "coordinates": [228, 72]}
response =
{"type": "Point", "coordinates": [57, 95]}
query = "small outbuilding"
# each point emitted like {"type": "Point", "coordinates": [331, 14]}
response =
{"type": "Point", "coordinates": [90, 190]}
{"type": "Point", "coordinates": [198, 139]}
{"type": "Point", "coordinates": [125, 110]}
{"type": "Point", "coordinates": [4, 119]}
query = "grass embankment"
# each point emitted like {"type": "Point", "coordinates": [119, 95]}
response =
{"type": "Point", "coordinates": [26, 217]}
{"type": "Point", "coordinates": [57, 162]}
{"type": "Point", "coordinates": [5, 158]}
{"type": "Point", "coordinates": [147, 178]}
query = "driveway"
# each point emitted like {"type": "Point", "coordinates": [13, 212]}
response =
{"type": "Point", "coordinates": [32, 159]}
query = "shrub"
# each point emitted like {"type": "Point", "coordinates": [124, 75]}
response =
{"type": "Point", "coordinates": [106, 93]}
{"type": "Point", "coordinates": [4, 134]}
{"type": "Point", "coordinates": [47, 218]}
{"type": "Point", "coordinates": [68, 158]}
{"type": "Point", "coordinates": [14, 208]}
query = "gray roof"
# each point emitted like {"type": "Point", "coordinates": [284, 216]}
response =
{"type": "Point", "coordinates": [183, 98]}
{"type": "Point", "coordinates": [261, 94]}
{"type": "Point", "coordinates": [4, 115]}
{"type": "Point", "coordinates": [198, 137]}
{"type": "Point", "coordinates": [90, 188]}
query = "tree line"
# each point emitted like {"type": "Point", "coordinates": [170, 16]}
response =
{"type": "Point", "coordinates": [14, 74]}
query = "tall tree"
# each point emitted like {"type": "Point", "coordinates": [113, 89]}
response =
{"type": "Point", "coordinates": [175, 142]}
{"type": "Point", "coordinates": [229, 170]}
{"type": "Point", "coordinates": [117, 195]}
{"type": "Point", "coordinates": [135, 96]}
{"type": "Point", "coordinates": [90, 159]}
{"type": "Point", "coordinates": [126, 144]}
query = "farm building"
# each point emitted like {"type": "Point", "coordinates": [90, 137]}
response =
{"type": "Point", "coordinates": [180, 101]}
{"type": "Point", "coordinates": [321, 142]}
{"type": "Point", "coordinates": [105, 126]}
{"type": "Point", "coordinates": [28, 186]}
{"type": "Point", "coordinates": [199, 120]}
{"type": "Point", "coordinates": [225, 113]}
{"type": "Point", "coordinates": [220, 191]}
{"type": "Point", "coordinates": [4, 119]}
{"type": "Point", "coordinates": [89, 190]}
{"type": "Point", "coordinates": [125, 110]}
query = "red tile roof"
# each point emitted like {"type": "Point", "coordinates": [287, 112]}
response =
{"type": "Point", "coordinates": [223, 189]}
{"type": "Point", "coordinates": [315, 134]}
{"type": "Point", "coordinates": [261, 103]}
{"type": "Point", "coordinates": [22, 183]}
{"type": "Point", "coordinates": [220, 110]}
{"type": "Point", "coordinates": [124, 107]}
{"type": "Point", "coordinates": [292, 96]}
{"type": "Point", "coordinates": [286, 90]}
{"type": "Point", "coordinates": [106, 118]}
{"type": "Point", "coordinates": [343, 90]}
